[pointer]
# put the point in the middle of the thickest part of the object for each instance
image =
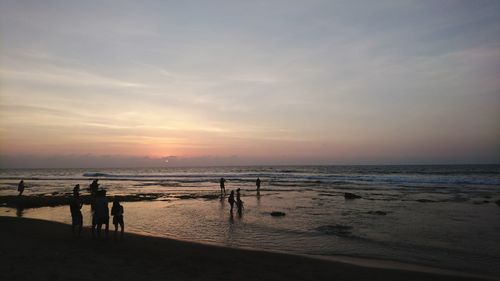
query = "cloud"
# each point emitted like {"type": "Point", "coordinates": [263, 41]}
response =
{"type": "Point", "coordinates": [243, 77]}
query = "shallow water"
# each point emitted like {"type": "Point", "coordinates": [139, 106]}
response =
{"type": "Point", "coordinates": [421, 215]}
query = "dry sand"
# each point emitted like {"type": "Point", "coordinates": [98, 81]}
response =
{"type": "Point", "coordinates": [42, 250]}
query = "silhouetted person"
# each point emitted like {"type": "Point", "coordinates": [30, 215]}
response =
{"type": "Point", "coordinates": [76, 190]}
{"type": "Point", "coordinates": [76, 214]}
{"type": "Point", "coordinates": [222, 186]}
{"type": "Point", "coordinates": [94, 215]}
{"type": "Point", "coordinates": [20, 187]}
{"type": "Point", "coordinates": [101, 212]}
{"type": "Point", "coordinates": [231, 200]}
{"type": "Point", "coordinates": [239, 203]}
{"type": "Point", "coordinates": [257, 183]}
{"type": "Point", "coordinates": [117, 213]}
{"type": "Point", "coordinates": [94, 187]}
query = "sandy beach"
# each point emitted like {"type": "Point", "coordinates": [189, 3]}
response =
{"type": "Point", "coordinates": [43, 250]}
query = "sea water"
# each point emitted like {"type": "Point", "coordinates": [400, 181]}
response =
{"type": "Point", "coordinates": [439, 216]}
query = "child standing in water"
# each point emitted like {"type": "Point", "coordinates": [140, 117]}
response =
{"type": "Point", "coordinates": [239, 203]}
{"type": "Point", "coordinates": [117, 213]}
{"type": "Point", "coordinates": [231, 200]}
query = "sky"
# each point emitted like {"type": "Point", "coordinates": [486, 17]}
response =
{"type": "Point", "coordinates": [147, 83]}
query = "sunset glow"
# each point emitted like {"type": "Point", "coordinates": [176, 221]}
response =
{"type": "Point", "coordinates": [262, 82]}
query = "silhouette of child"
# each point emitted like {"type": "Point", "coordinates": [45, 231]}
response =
{"type": "Point", "coordinates": [257, 183]}
{"type": "Point", "coordinates": [231, 200]}
{"type": "Point", "coordinates": [239, 203]}
{"type": "Point", "coordinates": [117, 213]}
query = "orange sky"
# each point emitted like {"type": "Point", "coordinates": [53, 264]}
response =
{"type": "Point", "coordinates": [322, 81]}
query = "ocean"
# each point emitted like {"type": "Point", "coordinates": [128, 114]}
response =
{"type": "Point", "coordinates": [440, 216]}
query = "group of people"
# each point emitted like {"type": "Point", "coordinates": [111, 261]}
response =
{"type": "Point", "coordinates": [239, 203]}
{"type": "Point", "coordinates": [231, 199]}
{"type": "Point", "coordinates": [100, 212]}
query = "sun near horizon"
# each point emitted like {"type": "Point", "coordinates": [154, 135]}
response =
{"type": "Point", "coordinates": [237, 83]}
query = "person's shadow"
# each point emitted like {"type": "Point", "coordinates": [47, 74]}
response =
{"type": "Point", "coordinates": [19, 210]}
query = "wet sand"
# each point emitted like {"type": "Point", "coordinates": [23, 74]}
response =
{"type": "Point", "coordinates": [42, 250]}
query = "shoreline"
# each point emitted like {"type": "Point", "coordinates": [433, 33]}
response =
{"type": "Point", "coordinates": [351, 260]}
{"type": "Point", "coordinates": [45, 248]}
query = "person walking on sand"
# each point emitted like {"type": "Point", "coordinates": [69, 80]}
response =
{"type": "Point", "coordinates": [257, 183]}
{"type": "Point", "coordinates": [20, 187]}
{"type": "Point", "coordinates": [222, 186]}
{"type": "Point", "coordinates": [76, 214]}
{"type": "Point", "coordinates": [239, 203]}
{"type": "Point", "coordinates": [231, 200]}
{"type": "Point", "coordinates": [117, 213]}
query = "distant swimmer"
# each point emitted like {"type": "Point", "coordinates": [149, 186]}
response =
{"type": "Point", "coordinates": [222, 186]}
{"type": "Point", "coordinates": [20, 187]}
{"type": "Point", "coordinates": [257, 183]}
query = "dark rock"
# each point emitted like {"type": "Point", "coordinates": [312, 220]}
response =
{"type": "Point", "coordinates": [498, 202]}
{"type": "Point", "coordinates": [380, 213]}
{"type": "Point", "coordinates": [40, 200]}
{"type": "Point", "coordinates": [210, 196]}
{"type": "Point", "coordinates": [199, 196]}
{"type": "Point", "coordinates": [425, 201]}
{"type": "Point", "coordinates": [348, 195]}
{"type": "Point", "coordinates": [277, 214]}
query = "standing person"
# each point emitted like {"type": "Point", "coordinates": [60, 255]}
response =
{"type": "Point", "coordinates": [222, 186]}
{"type": "Point", "coordinates": [117, 213]}
{"type": "Point", "coordinates": [75, 207]}
{"type": "Point", "coordinates": [94, 215]}
{"type": "Point", "coordinates": [239, 203]}
{"type": "Point", "coordinates": [257, 183]}
{"type": "Point", "coordinates": [76, 190]}
{"type": "Point", "coordinates": [231, 200]}
{"type": "Point", "coordinates": [101, 213]}
{"type": "Point", "coordinates": [20, 187]}
{"type": "Point", "coordinates": [94, 187]}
